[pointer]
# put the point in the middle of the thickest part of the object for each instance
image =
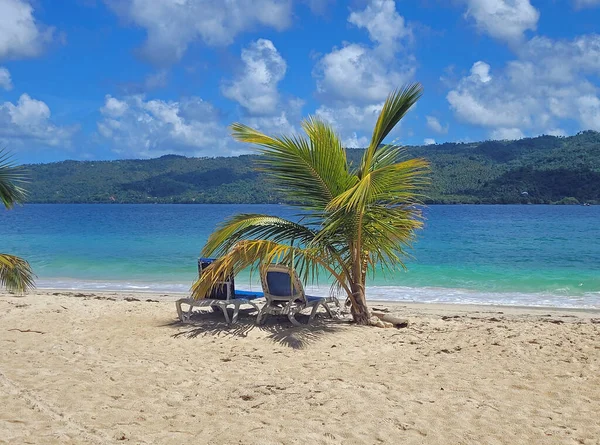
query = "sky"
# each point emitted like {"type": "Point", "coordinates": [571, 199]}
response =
{"type": "Point", "coordinates": [113, 79]}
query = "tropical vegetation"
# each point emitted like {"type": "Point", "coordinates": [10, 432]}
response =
{"type": "Point", "coordinates": [15, 273]}
{"type": "Point", "coordinates": [548, 168]}
{"type": "Point", "coordinates": [353, 217]}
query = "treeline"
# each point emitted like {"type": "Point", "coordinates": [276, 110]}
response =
{"type": "Point", "coordinates": [541, 170]}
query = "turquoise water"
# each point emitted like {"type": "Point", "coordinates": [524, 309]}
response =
{"type": "Point", "coordinates": [530, 255]}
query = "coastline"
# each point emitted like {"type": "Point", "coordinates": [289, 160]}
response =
{"type": "Point", "coordinates": [105, 367]}
{"type": "Point", "coordinates": [413, 306]}
{"type": "Point", "coordinates": [320, 291]}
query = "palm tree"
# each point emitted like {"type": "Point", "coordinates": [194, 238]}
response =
{"type": "Point", "coordinates": [15, 272]}
{"type": "Point", "coordinates": [352, 218]}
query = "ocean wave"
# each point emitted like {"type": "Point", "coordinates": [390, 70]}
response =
{"type": "Point", "coordinates": [81, 285]}
{"type": "Point", "coordinates": [589, 300]}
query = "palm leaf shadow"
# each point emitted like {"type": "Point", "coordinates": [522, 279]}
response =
{"type": "Point", "coordinates": [278, 329]}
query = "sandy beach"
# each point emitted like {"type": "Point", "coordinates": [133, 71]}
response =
{"type": "Point", "coordinates": [94, 368]}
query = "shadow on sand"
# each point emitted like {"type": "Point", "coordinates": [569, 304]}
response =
{"type": "Point", "coordinates": [278, 329]}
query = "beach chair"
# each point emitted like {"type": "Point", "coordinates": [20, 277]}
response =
{"type": "Point", "coordinates": [221, 297]}
{"type": "Point", "coordinates": [285, 295]}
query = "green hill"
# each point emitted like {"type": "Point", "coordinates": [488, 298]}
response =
{"type": "Point", "coordinates": [545, 169]}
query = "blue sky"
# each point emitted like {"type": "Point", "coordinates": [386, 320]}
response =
{"type": "Point", "coordinates": [110, 79]}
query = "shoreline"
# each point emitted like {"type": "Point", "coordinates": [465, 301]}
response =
{"type": "Point", "coordinates": [432, 307]}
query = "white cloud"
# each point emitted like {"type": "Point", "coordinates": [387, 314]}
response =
{"type": "Point", "coordinates": [172, 25]}
{"type": "Point", "coordinates": [429, 141]}
{"type": "Point", "coordinates": [507, 134]}
{"type": "Point", "coordinates": [556, 132]}
{"type": "Point", "coordinates": [255, 88]}
{"type": "Point", "coordinates": [283, 121]}
{"type": "Point", "coordinates": [5, 80]}
{"type": "Point", "coordinates": [147, 128]}
{"type": "Point", "coordinates": [354, 141]}
{"type": "Point", "coordinates": [28, 122]}
{"type": "Point", "coordinates": [550, 82]}
{"type": "Point", "coordinates": [20, 35]}
{"type": "Point", "coordinates": [114, 107]}
{"type": "Point", "coordinates": [357, 74]}
{"type": "Point", "coordinates": [386, 27]}
{"type": "Point", "coordinates": [485, 103]}
{"type": "Point", "coordinates": [589, 106]}
{"type": "Point", "coordinates": [353, 122]}
{"type": "Point", "coordinates": [354, 80]}
{"type": "Point", "coordinates": [504, 20]}
{"type": "Point", "coordinates": [367, 74]}
{"type": "Point", "coordinates": [434, 124]}
{"type": "Point", "coordinates": [480, 71]}
{"type": "Point", "coordinates": [563, 61]}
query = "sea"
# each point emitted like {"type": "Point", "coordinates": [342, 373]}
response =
{"type": "Point", "coordinates": [505, 255]}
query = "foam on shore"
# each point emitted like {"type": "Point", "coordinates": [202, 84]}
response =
{"type": "Point", "coordinates": [562, 298]}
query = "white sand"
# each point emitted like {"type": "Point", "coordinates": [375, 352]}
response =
{"type": "Point", "coordinates": [108, 371]}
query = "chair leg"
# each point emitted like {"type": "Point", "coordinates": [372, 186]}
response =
{"type": "Point", "coordinates": [179, 311]}
{"type": "Point", "coordinates": [184, 316]}
{"type": "Point", "coordinates": [189, 313]}
{"type": "Point", "coordinates": [236, 310]}
{"type": "Point", "coordinates": [292, 318]}
{"type": "Point", "coordinates": [328, 310]}
{"type": "Point", "coordinates": [262, 316]}
{"type": "Point", "coordinates": [313, 312]}
{"type": "Point", "coordinates": [338, 307]}
{"type": "Point", "coordinates": [225, 313]}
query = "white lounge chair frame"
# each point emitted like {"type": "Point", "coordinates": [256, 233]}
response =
{"type": "Point", "coordinates": [293, 304]}
{"type": "Point", "coordinates": [185, 316]}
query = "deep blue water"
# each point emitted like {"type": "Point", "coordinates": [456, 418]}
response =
{"type": "Point", "coordinates": [534, 255]}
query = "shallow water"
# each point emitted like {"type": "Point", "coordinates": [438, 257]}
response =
{"type": "Point", "coordinates": [524, 255]}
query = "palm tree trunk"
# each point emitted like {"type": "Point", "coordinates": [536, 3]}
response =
{"type": "Point", "coordinates": [359, 309]}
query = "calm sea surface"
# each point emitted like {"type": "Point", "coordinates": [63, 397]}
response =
{"type": "Point", "coordinates": [529, 255]}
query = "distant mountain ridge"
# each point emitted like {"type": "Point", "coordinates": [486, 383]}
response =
{"type": "Point", "coordinates": [541, 170]}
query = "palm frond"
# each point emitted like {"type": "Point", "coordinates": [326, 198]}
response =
{"type": "Point", "coordinates": [401, 183]}
{"type": "Point", "coordinates": [11, 176]}
{"type": "Point", "coordinates": [395, 107]}
{"type": "Point", "coordinates": [380, 212]}
{"type": "Point", "coordinates": [308, 171]}
{"type": "Point", "coordinates": [388, 233]}
{"type": "Point", "coordinates": [255, 226]}
{"type": "Point", "coordinates": [15, 273]}
{"type": "Point", "coordinates": [250, 253]}
{"type": "Point", "coordinates": [245, 227]}
{"type": "Point", "coordinates": [328, 156]}
{"type": "Point", "coordinates": [394, 184]}
{"type": "Point", "coordinates": [388, 155]}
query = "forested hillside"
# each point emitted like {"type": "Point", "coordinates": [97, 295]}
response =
{"type": "Point", "coordinates": [545, 169]}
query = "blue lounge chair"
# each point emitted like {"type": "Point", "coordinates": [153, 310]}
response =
{"type": "Point", "coordinates": [285, 295]}
{"type": "Point", "coordinates": [222, 296]}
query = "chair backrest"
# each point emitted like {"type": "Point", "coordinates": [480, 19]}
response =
{"type": "Point", "coordinates": [281, 283]}
{"type": "Point", "coordinates": [225, 290]}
